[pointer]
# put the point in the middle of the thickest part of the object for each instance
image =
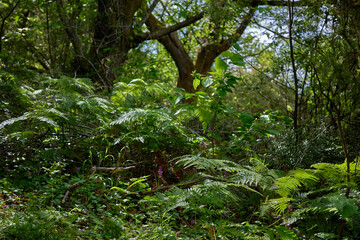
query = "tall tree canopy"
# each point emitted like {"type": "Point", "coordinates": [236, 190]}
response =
{"type": "Point", "coordinates": [93, 38]}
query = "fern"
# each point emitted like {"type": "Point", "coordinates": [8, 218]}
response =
{"type": "Point", "coordinates": [13, 120]}
{"type": "Point", "coordinates": [143, 114]}
{"type": "Point", "coordinates": [285, 233]}
{"type": "Point", "coordinates": [239, 174]}
{"type": "Point", "coordinates": [308, 203]}
{"type": "Point", "coordinates": [202, 163]}
{"type": "Point", "coordinates": [62, 110]}
{"type": "Point", "coordinates": [138, 93]}
{"type": "Point", "coordinates": [296, 179]}
{"type": "Point", "coordinates": [80, 85]}
{"type": "Point", "coordinates": [280, 204]}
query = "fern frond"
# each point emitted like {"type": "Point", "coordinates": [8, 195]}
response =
{"type": "Point", "coordinates": [24, 135]}
{"type": "Point", "coordinates": [287, 185]}
{"type": "Point", "coordinates": [137, 92]}
{"type": "Point", "coordinates": [137, 82]}
{"type": "Point", "coordinates": [248, 176]}
{"type": "Point", "coordinates": [202, 163]}
{"type": "Point", "coordinates": [329, 170]}
{"type": "Point", "coordinates": [75, 84]}
{"type": "Point", "coordinates": [305, 176]}
{"type": "Point", "coordinates": [280, 204]}
{"type": "Point", "coordinates": [14, 120]}
{"type": "Point", "coordinates": [46, 116]}
{"type": "Point", "coordinates": [205, 115]}
{"type": "Point", "coordinates": [138, 113]}
{"type": "Point", "coordinates": [56, 113]}
{"type": "Point", "coordinates": [285, 233]}
{"type": "Point", "coordinates": [47, 120]}
{"type": "Point", "coordinates": [100, 103]}
{"type": "Point", "coordinates": [242, 176]}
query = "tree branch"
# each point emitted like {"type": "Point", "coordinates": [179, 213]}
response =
{"type": "Point", "coordinates": [150, 10]}
{"type": "Point", "coordinates": [279, 3]}
{"type": "Point", "coordinates": [4, 18]}
{"type": "Point", "coordinates": [207, 54]}
{"type": "Point", "coordinates": [165, 31]}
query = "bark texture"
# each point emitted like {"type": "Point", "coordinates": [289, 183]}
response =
{"type": "Point", "coordinates": [113, 35]}
{"type": "Point", "coordinates": [112, 39]}
{"type": "Point", "coordinates": [205, 57]}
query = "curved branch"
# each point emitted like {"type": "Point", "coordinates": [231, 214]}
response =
{"type": "Point", "coordinates": [207, 54]}
{"type": "Point", "coordinates": [165, 31]}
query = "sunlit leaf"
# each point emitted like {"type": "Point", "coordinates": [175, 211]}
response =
{"type": "Point", "coordinates": [196, 83]}
{"type": "Point", "coordinates": [220, 65]}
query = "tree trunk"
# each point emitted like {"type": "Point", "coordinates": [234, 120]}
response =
{"type": "Point", "coordinates": [113, 31]}
{"type": "Point", "coordinates": [174, 46]}
{"type": "Point", "coordinates": [112, 36]}
{"type": "Point", "coordinates": [182, 60]}
{"type": "Point", "coordinates": [205, 57]}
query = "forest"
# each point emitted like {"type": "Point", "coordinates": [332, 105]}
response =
{"type": "Point", "coordinates": [188, 119]}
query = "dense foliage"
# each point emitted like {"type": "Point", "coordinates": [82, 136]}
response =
{"type": "Point", "coordinates": [179, 119]}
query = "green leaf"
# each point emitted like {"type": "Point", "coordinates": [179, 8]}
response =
{"type": "Point", "coordinates": [222, 92]}
{"type": "Point", "coordinates": [227, 54]}
{"type": "Point", "coordinates": [272, 131]}
{"type": "Point", "coordinates": [237, 59]}
{"type": "Point", "coordinates": [348, 210]}
{"type": "Point", "coordinates": [208, 82]}
{"type": "Point", "coordinates": [183, 14]}
{"type": "Point", "coordinates": [344, 206]}
{"type": "Point", "coordinates": [178, 99]}
{"type": "Point", "coordinates": [237, 46]}
{"type": "Point", "coordinates": [285, 233]}
{"type": "Point", "coordinates": [196, 83]}
{"type": "Point", "coordinates": [220, 65]}
{"type": "Point", "coordinates": [247, 119]}
{"type": "Point", "coordinates": [72, 218]}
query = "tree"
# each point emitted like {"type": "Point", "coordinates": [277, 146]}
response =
{"type": "Point", "coordinates": [101, 39]}
{"type": "Point", "coordinates": [221, 17]}
{"type": "Point", "coordinates": [5, 16]}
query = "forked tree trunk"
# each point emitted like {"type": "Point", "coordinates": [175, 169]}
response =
{"type": "Point", "coordinates": [205, 57]}
{"type": "Point", "coordinates": [174, 46]}
{"type": "Point", "coordinates": [182, 60]}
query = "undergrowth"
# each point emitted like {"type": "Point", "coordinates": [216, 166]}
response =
{"type": "Point", "coordinates": [151, 162]}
